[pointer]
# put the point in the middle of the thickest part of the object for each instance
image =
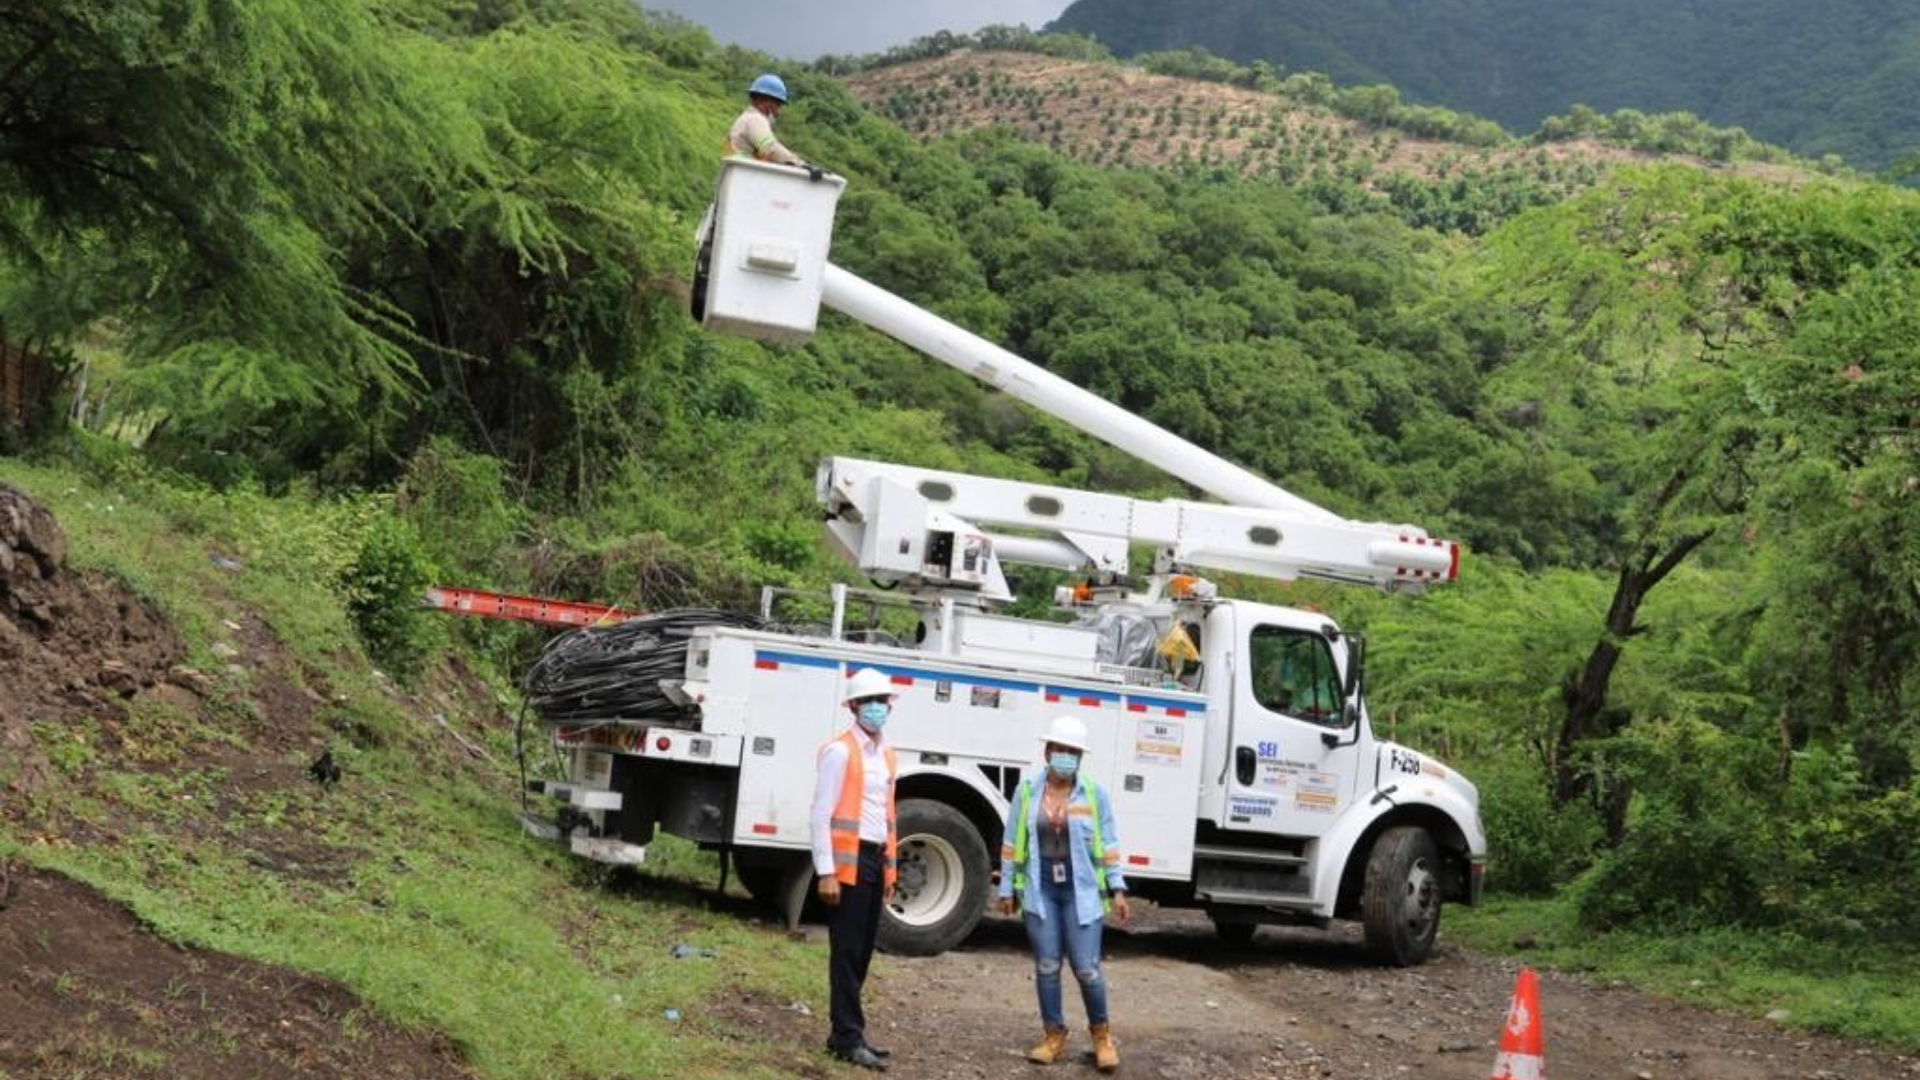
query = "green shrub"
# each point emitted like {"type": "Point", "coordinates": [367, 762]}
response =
{"type": "Point", "coordinates": [1849, 859]}
{"type": "Point", "coordinates": [458, 501]}
{"type": "Point", "coordinates": [383, 589]}
{"type": "Point", "coordinates": [1534, 846]}
{"type": "Point", "coordinates": [1700, 849]}
{"type": "Point", "coordinates": [780, 543]}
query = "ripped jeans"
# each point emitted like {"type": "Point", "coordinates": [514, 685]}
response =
{"type": "Point", "coordinates": [1059, 936]}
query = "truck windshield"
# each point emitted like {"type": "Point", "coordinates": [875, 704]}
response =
{"type": "Point", "coordinates": [1293, 673]}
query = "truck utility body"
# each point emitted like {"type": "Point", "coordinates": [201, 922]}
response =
{"type": "Point", "coordinates": [1231, 737]}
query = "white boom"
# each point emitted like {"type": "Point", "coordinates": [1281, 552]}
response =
{"type": "Point", "coordinates": [968, 352]}
{"type": "Point", "coordinates": [879, 514]}
{"type": "Point", "coordinates": [764, 274]}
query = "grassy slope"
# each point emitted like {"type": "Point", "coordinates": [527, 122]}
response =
{"type": "Point", "coordinates": [420, 892]}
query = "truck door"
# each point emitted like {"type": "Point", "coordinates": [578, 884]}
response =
{"type": "Point", "coordinates": [1282, 777]}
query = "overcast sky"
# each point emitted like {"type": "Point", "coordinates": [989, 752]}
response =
{"type": "Point", "coordinates": [805, 29]}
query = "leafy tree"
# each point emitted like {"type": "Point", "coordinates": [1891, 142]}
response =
{"type": "Point", "coordinates": [164, 153]}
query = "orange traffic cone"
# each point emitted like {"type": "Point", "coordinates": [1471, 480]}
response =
{"type": "Point", "coordinates": [1522, 1048]}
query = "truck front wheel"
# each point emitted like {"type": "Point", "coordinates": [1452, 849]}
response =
{"type": "Point", "coordinates": [1400, 902]}
{"type": "Point", "coordinates": [942, 888]}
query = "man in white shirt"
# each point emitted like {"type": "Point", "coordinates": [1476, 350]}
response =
{"type": "Point", "coordinates": [752, 134]}
{"type": "Point", "coordinates": [854, 840]}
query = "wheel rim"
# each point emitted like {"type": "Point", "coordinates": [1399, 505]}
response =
{"type": "Point", "coordinates": [929, 878]}
{"type": "Point", "coordinates": [1422, 902]}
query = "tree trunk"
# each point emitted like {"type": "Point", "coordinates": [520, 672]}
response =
{"type": "Point", "coordinates": [1588, 716]}
{"type": "Point", "coordinates": [29, 382]}
{"type": "Point", "coordinates": [1585, 693]}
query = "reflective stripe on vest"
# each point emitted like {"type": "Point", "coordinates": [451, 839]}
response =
{"type": "Point", "coordinates": [844, 826]}
{"type": "Point", "coordinates": [1020, 840]}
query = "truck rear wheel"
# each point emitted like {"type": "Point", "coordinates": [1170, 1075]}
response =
{"type": "Point", "coordinates": [942, 888]}
{"type": "Point", "coordinates": [1400, 902]}
{"type": "Point", "coordinates": [761, 880]}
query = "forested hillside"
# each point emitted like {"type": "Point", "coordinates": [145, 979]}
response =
{"type": "Point", "coordinates": [1835, 78]}
{"type": "Point", "coordinates": [384, 291]}
{"type": "Point", "coordinates": [1353, 151]}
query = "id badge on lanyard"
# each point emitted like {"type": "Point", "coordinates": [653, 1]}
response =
{"type": "Point", "coordinates": [1059, 873]}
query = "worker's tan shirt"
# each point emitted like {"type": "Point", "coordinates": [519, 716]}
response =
{"type": "Point", "coordinates": [752, 136]}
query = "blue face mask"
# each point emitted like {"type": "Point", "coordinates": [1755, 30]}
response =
{"type": "Point", "coordinates": [873, 715]}
{"type": "Point", "coordinates": [1064, 763]}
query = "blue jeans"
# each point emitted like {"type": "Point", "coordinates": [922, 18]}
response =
{"type": "Point", "coordinates": [1058, 935]}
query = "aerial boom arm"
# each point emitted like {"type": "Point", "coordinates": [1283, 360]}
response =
{"type": "Point", "coordinates": [921, 329]}
{"type": "Point", "coordinates": [763, 273]}
{"type": "Point", "coordinates": [879, 513]}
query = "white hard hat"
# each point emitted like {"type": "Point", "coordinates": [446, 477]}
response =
{"type": "Point", "coordinates": [1068, 731]}
{"type": "Point", "coordinates": [867, 683]}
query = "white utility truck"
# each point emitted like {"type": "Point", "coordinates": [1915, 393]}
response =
{"type": "Point", "coordinates": [1233, 737]}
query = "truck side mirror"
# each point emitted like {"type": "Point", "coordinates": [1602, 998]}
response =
{"type": "Point", "coordinates": [1350, 706]}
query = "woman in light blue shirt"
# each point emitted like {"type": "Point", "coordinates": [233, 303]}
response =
{"type": "Point", "coordinates": [1060, 867]}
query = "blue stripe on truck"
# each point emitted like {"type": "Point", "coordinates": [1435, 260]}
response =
{"type": "Point", "coordinates": [761, 656]}
{"type": "Point", "coordinates": [796, 659]}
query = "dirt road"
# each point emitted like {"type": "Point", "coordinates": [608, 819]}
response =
{"type": "Point", "coordinates": [1306, 1004]}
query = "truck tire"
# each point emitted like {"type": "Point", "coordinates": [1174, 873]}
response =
{"type": "Point", "coordinates": [762, 881]}
{"type": "Point", "coordinates": [780, 882]}
{"type": "Point", "coordinates": [942, 888]}
{"type": "Point", "coordinates": [1400, 901]}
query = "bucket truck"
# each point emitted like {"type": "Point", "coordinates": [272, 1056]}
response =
{"type": "Point", "coordinates": [1233, 737]}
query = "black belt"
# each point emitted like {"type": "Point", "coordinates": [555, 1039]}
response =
{"type": "Point", "coordinates": [873, 846]}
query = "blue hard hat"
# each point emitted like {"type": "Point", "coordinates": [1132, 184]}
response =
{"type": "Point", "coordinates": [769, 85]}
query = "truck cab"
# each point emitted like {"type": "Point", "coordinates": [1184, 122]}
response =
{"type": "Point", "coordinates": [1296, 783]}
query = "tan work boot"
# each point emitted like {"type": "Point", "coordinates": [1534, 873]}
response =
{"type": "Point", "coordinates": [1051, 1048]}
{"type": "Point", "coordinates": [1106, 1057]}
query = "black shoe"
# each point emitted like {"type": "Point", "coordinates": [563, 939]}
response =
{"type": "Point", "coordinates": [863, 1057]}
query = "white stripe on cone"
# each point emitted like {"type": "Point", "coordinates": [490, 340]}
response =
{"type": "Point", "coordinates": [1511, 1066]}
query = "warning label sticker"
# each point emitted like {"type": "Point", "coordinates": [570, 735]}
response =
{"type": "Point", "coordinates": [1159, 742]}
{"type": "Point", "coordinates": [1317, 793]}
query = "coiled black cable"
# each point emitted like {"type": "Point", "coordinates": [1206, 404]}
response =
{"type": "Point", "coordinates": [615, 672]}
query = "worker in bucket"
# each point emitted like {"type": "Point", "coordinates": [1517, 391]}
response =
{"type": "Point", "coordinates": [752, 134]}
{"type": "Point", "coordinates": [1060, 866]}
{"type": "Point", "coordinates": [854, 838]}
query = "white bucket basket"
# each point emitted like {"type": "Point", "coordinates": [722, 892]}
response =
{"type": "Point", "coordinates": [772, 226]}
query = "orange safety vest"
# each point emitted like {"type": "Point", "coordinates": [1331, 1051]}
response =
{"type": "Point", "coordinates": [844, 826]}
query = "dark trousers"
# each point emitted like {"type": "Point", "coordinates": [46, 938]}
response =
{"type": "Point", "coordinates": [850, 932]}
